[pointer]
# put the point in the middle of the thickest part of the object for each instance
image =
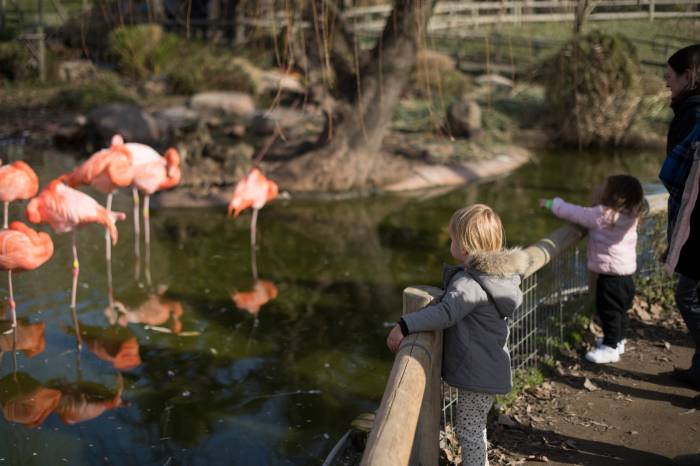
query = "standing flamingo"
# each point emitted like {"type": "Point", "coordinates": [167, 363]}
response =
{"type": "Point", "coordinates": [65, 209]}
{"type": "Point", "coordinates": [150, 176]}
{"type": "Point", "coordinates": [22, 248]}
{"type": "Point", "coordinates": [17, 181]}
{"type": "Point", "coordinates": [254, 190]}
{"type": "Point", "coordinates": [106, 171]}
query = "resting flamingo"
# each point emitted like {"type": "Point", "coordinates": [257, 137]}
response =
{"type": "Point", "coordinates": [254, 190]}
{"type": "Point", "coordinates": [65, 209]}
{"type": "Point", "coordinates": [151, 174]}
{"type": "Point", "coordinates": [106, 171]}
{"type": "Point", "coordinates": [17, 181]}
{"type": "Point", "coordinates": [22, 248]}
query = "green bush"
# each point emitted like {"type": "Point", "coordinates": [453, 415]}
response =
{"type": "Point", "coordinates": [202, 69]}
{"type": "Point", "coordinates": [84, 97]}
{"type": "Point", "coordinates": [15, 62]}
{"type": "Point", "coordinates": [448, 85]}
{"type": "Point", "coordinates": [592, 89]}
{"type": "Point", "coordinates": [143, 51]}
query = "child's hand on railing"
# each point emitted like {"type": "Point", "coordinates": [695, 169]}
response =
{"type": "Point", "coordinates": [545, 203]}
{"type": "Point", "coordinates": [394, 339]}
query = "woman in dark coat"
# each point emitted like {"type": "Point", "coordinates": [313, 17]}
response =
{"type": "Point", "coordinates": [680, 174]}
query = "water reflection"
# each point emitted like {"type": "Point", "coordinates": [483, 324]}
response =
{"type": "Point", "coordinates": [181, 376]}
{"type": "Point", "coordinates": [27, 338]}
{"type": "Point", "coordinates": [25, 400]}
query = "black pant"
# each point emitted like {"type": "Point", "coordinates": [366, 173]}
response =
{"type": "Point", "coordinates": [613, 297]}
{"type": "Point", "coordinates": [688, 303]}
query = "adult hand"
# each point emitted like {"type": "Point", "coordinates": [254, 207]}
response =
{"type": "Point", "coordinates": [394, 339]}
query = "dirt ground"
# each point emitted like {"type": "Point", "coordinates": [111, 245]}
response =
{"type": "Point", "coordinates": [628, 413]}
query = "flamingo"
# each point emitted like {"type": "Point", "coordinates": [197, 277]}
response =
{"type": "Point", "coordinates": [118, 348]}
{"type": "Point", "coordinates": [22, 248]}
{"type": "Point", "coordinates": [106, 171]}
{"type": "Point", "coordinates": [17, 181]}
{"type": "Point", "coordinates": [254, 191]}
{"type": "Point", "coordinates": [65, 209]}
{"type": "Point", "coordinates": [151, 175]}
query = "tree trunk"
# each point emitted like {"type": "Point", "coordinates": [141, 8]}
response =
{"type": "Point", "coordinates": [359, 119]}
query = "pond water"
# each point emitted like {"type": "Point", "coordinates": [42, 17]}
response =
{"type": "Point", "coordinates": [185, 377]}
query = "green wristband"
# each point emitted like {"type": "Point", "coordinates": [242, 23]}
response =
{"type": "Point", "coordinates": [548, 203]}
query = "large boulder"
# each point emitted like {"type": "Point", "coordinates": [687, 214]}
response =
{"type": "Point", "coordinates": [279, 118]}
{"type": "Point", "coordinates": [234, 104]}
{"type": "Point", "coordinates": [132, 122]}
{"type": "Point", "coordinates": [73, 71]}
{"type": "Point", "coordinates": [464, 118]}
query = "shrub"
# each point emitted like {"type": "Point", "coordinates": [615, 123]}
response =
{"type": "Point", "coordinates": [143, 51]}
{"type": "Point", "coordinates": [447, 85]}
{"type": "Point", "coordinates": [592, 89]}
{"type": "Point", "coordinates": [202, 69]}
{"type": "Point", "coordinates": [84, 97]}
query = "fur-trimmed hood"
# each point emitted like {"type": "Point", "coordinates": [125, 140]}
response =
{"type": "Point", "coordinates": [500, 263]}
{"type": "Point", "coordinates": [498, 273]}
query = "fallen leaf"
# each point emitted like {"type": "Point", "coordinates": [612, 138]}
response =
{"type": "Point", "coordinates": [540, 458]}
{"type": "Point", "coordinates": [506, 420]}
{"type": "Point", "coordinates": [590, 386]}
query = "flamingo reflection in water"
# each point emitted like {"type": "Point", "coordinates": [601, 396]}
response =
{"type": "Point", "coordinates": [28, 338]}
{"type": "Point", "coordinates": [82, 401]}
{"type": "Point", "coordinates": [65, 209]}
{"type": "Point", "coordinates": [25, 400]}
{"type": "Point", "coordinates": [263, 291]}
{"type": "Point", "coordinates": [158, 312]}
{"type": "Point", "coordinates": [117, 346]}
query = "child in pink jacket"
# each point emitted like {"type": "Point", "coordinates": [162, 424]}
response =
{"type": "Point", "coordinates": [612, 241]}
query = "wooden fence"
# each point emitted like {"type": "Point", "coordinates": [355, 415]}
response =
{"type": "Point", "coordinates": [407, 424]}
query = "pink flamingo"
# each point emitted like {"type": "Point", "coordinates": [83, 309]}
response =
{"type": "Point", "coordinates": [251, 301]}
{"type": "Point", "coordinates": [22, 248]}
{"type": "Point", "coordinates": [151, 174]}
{"type": "Point", "coordinates": [254, 191]}
{"type": "Point", "coordinates": [17, 181]}
{"type": "Point", "coordinates": [65, 209]}
{"type": "Point", "coordinates": [106, 171]}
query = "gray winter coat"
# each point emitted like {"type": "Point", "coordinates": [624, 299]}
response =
{"type": "Point", "coordinates": [475, 354]}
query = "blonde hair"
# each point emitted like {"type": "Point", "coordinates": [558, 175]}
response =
{"type": "Point", "coordinates": [477, 228]}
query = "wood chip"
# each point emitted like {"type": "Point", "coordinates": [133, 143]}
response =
{"type": "Point", "coordinates": [590, 386]}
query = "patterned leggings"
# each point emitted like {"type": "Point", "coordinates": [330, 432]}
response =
{"type": "Point", "coordinates": [470, 426]}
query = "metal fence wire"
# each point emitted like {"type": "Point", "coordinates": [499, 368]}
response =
{"type": "Point", "coordinates": [558, 292]}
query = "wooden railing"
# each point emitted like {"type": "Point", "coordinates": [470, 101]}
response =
{"type": "Point", "coordinates": [407, 424]}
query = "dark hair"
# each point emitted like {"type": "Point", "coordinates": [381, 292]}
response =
{"type": "Point", "coordinates": [688, 59]}
{"type": "Point", "coordinates": [624, 193]}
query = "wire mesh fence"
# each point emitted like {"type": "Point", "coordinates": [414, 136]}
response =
{"type": "Point", "coordinates": [559, 291]}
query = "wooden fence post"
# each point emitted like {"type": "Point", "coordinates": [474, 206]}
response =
{"type": "Point", "coordinates": [407, 425]}
{"type": "Point", "coordinates": [651, 10]}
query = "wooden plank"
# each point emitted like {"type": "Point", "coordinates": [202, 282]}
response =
{"type": "Point", "coordinates": [410, 405]}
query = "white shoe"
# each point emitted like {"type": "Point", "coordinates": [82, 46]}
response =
{"type": "Point", "coordinates": [620, 344]}
{"type": "Point", "coordinates": [603, 355]}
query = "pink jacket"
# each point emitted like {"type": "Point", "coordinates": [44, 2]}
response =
{"type": "Point", "coordinates": [612, 236]}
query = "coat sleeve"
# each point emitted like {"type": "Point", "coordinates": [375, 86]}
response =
{"type": "Point", "coordinates": [454, 306]}
{"type": "Point", "coordinates": [587, 217]}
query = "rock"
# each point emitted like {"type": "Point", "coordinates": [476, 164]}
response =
{"type": "Point", "coordinates": [223, 103]}
{"type": "Point", "coordinates": [132, 122]}
{"type": "Point", "coordinates": [495, 80]}
{"type": "Point", "coordinates": [276, 119]}
{"type": "Point", "coordinates": [464, 118]}
{"type": "Point", "coordinates": [176, 118]}
{"type": "Point", "coordinates": [73, 71]}
{"type": "Point", "coordinates": [276, 81]}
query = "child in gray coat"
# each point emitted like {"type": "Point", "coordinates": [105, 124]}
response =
{"type": "Point", "coordinates": [480, 294]}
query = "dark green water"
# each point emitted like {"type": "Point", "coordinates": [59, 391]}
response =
{"type": "Point", "coordinates": [228, 387]}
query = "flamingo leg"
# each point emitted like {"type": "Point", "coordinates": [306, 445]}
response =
{"type": "Point", "coordinates": [76, 271]}
{"type": "Point", "coordinates": [108, 256]}
{"type": "Point", "coordinates": [7, 209]}
{"type": "Point", "coordinates": [137, 234]}
{"type": "Point", "coordinates": [253, 224]}
{"type": "Point", "coordinates": [12, 299]}
{"type": "Point", "coordinates": [147, 235]}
